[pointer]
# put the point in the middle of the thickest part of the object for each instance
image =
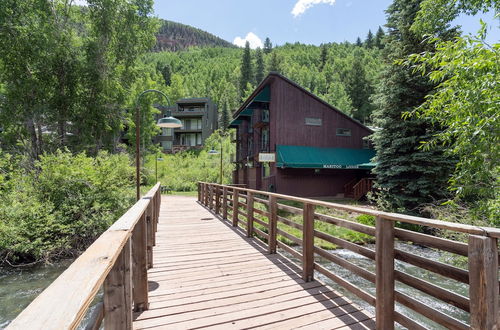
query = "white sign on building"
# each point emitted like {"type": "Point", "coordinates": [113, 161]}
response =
{"type": "Point", "coordinates": [267, 157]}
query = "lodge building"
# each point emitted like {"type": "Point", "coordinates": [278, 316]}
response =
{"type": "Point", "coordinates": [306, 146]}
{"type": "Point", "coordinates": [199, 120]}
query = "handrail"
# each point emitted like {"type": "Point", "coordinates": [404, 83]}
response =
{"type": "Point", "coordinates": [124, 249]}
{"type": "Point", "coordinates": [481, 251]}
{"type": "Point", "coordinates": [434, 223]}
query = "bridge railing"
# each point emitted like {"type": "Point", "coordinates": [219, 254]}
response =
{"type": "Point", "coordinates": [260, 214]}
{"type": "Point", "coordinates": [117, 261]}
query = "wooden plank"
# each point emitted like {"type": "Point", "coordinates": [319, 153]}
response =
{"type": "Point", "coordinates": [346, 224]}
{"type": "Point", "coordinates": [483, 279]}
{"type": "Point", "coordinates": [217, 200]}
{"type": "Point", "coordinates": [384, 282]}
{"type": "Point", "coordinates": [140, 265]}
{"type": "Point", "coordinates": [292, 238]}
{"type": "Point", "coordinates": [290, 209]}
{"type": "Point", "coordinates": [290, 223]}
{"type": "Point", "coordinates": [118, 293]}
{"type": "Point", "coordinates": [289, 250]}
{"type": "Point", "coordinates": [431, 241]}
{"type": "Point", "coordinates": [430, 313]}
{"type": "Point", "coordinates": [308, 243]}
{"type": "Point", "coordinates": [273, 225]}
{"type": "Point", "coordinates": [249, 214]}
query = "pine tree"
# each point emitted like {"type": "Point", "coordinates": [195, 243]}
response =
{"type": "Point", "coordinates": [323, 57]}
{"type": "Point", "coordinates": [259, 68]}
{"type": "Point", "coordinates": [379, 38]}
{"type": "Point", "coordinates": [225, 117]}
{"type": "Point", "coordinates": [268, 46]}
{"type": "Point", "coordinates": [369, 42]}
{"type": "Point", "coordinates": [359, 88]}
{"type": "Point", "coordinates": [407, 175]}
{"type": "Point", "coordinates": [359, 43]}
{"type": "Point", "coordinates": [274, 63]}
{"type": "Point", "coordinates": [246, 69]}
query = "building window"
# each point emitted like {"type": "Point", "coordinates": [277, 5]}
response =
{"type": "Point", "coordinates": [250, 146]}
{"type": "Point", "coordinates": [264, 139]}
{"type": "Point", "coordinates": [265, 115]}
{"type": "Point", "coordinates": [314, 121]}
{"type": "Point", "coordinates": [367, 144]}
{"type": "Point", "coordinates": [343, 131]}
{"type": "Point", "coordinates": [198, 139]}
{"type": "Point", "coordinates": [166, 145]}
{"type": "Point", "coordinates": [266, 170]}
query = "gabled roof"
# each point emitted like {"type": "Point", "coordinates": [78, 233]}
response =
{"type": "Point", "coordinates": [269, 79]}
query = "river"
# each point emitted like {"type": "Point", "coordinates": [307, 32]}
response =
{"type": "Point", "coordinates": [18, 287]}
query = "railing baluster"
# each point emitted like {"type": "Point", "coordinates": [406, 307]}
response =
{"type": "Point", "coordinates": [308, 243]}
{"type": "Point", "coordinates": [249, 214]}
{"type": "Point", "coordinates": [273, 224]}
{"type": "Point", "coordinates": [118, 293]}
{"type": "Point", "coordinates": [236, 200]}
{"type": "Point", "coordinates": [224, 203]}
{"type": "Point", "coordinates": [140, 267]}
{"type": "Point", "coordinates": [217, 199]}
{"type": "Point", "coordinates": [199, 191]}
{"type": "Point", "coordinates": [384, 260]}
{"type": "Point", "coordinates": [483, 283]}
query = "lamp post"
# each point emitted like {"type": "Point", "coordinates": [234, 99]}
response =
{"type": "Point", "coordinates": [156, 166]}
{"type": "Point", "coordinates": [215, 152]}
{"type": "Point", "coordinates": [168, 122]}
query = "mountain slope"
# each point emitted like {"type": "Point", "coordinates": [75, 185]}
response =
{"type": "Point", "coordinates": [175, 36]}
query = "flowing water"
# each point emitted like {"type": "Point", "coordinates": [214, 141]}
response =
{"type": "Point", "coordinates": [369, 287]}
{"type": "Point", "coordinates": [18, 287]}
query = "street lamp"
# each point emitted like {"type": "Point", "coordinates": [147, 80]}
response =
{"type": "Point", "coordinates": [156, 166]}
{"type": "Point", "coordinates": [167, 122]}
{"type": "Point", "coordinates": [215, 152]}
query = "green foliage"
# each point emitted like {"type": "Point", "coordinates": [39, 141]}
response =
{"type": "Point", "coordinates": [246, 69]}
{"type": "Point", "coordinates": [182, 171]}
{"type": "Point", "coordinates": [173, 36]}
{"type": "Point", "coordinates": [259, 66]}
{"type": "Point", "coordinates": [466, 104]}
{"type": "Point", "coordinates": [62, 204]}
{"type": "Point", "coordinates": [268, 46]}
{"type": "Point", "coordinates": [369, 41]}
{"type": "Point", "coordinates": [379, 38]}
{"type": "Point", "coordinates": [70, 71]}
{"type": "Point", "coordinates": [407, 176]}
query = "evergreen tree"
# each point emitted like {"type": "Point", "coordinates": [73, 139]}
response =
{"type": "Point", "coordinates": [359, 43]}
{"type": "Point", "coordinates": [379, 38]}
{"type": "Point", "coordinates": [274, 63]}
{"type": "Point", "coordinates": [259, 67]}
{"type": "Point", "coordinates": [359, 88]}
{"type": "Point", "coordinates": [323, 57]}
{"type": "Point", "coordinates": [246, 69]}
{"type": "Point", "coordinates": [268, 46]}
{"type": "Point", "coordinates": [369, 42]}
{"type": "Point", "coordinates": [166, 73]}
{"type": "Point", "coordinates": [225, 117]}
{"type": "Point", "coordinates": [407, 175]}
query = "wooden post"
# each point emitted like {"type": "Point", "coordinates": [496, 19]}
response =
{"type": "Point", "coordinates": [224, 203]}
{"type": "Point", "coordinates": [483, 283]}
{"type": "Point", "coordinates": [235, 207]}
{"type": "Point", "coordinates": [273, 224]}
{"type": "Point", "coordinates": [118, 293]}
{"type": "Point", "coordinates": [308, 243]}
{"type": "Point", "coordinates": [249, 214]}
{"type": "Point", "coordinates": [217, 199]}
{"type": "Point", "coordinates": [140, 267]}
{"type": "Point", "coordinates": [384, 281]}
{"type": "Point", "coordinates": [150, 235]}
{"type": "Point", "coordinates": [205, 199]}
{"type": "Point", "coordinates": [199, 191]}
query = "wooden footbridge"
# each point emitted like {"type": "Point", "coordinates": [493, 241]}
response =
{"type": "Point", "coordinates": [239, 258]}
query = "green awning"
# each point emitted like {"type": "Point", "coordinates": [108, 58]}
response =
{"type": "Point", "coordinates": [332, 158]}
{"type": "Point", "coordinates": [263, 96]}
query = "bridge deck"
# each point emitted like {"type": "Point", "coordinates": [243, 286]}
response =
{"type": "Point", "coordinates": [208, 274]}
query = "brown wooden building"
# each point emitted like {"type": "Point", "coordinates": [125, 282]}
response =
{"type": "Point", "coordinates": [317, 149]}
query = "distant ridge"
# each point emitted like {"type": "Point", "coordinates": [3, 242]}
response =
{"type": "Point", "coordinates": [174, 36]}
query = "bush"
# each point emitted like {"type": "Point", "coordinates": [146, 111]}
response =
{"type": "Point", "coordinates": [61, 204]}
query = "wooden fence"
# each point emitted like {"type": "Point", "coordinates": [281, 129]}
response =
{"type": "Point", "coordinates": [117, 261]}
{"type": "Point", "coordinates": [258, 213]}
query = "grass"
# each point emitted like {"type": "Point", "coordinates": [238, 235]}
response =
{"type": "Point", "coordinates": [340, 232]}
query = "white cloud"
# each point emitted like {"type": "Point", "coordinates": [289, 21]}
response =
{"type": "Point", "coordinates": [302, 5]}
{"type": "Point", "coordinates": [251, 38]}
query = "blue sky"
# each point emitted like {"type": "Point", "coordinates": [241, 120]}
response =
{"type": "Point", "coordinates": [305, 21]}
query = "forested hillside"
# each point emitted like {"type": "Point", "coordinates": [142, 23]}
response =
{"type": "Point", "coordinates": [342, 74]}
{"type": "Point", "coordinates": [176, 36]}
